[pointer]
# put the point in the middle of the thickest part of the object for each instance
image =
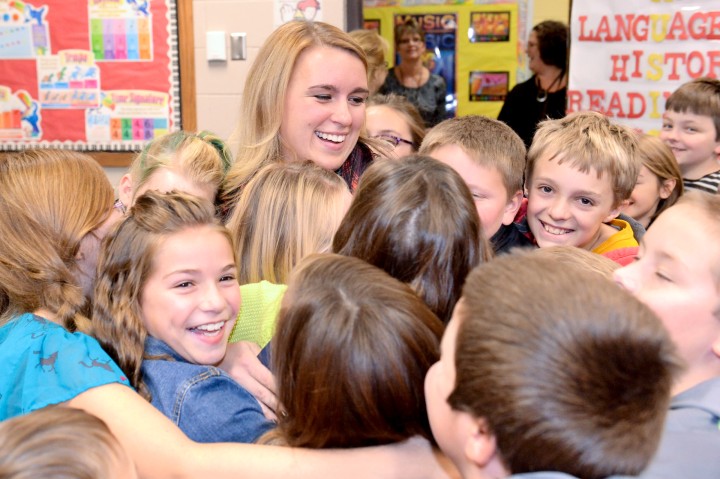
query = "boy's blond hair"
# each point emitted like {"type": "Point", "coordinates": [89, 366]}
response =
{"type": "Point", "coordinates": [699, 97]}
{"type": "Point", "coordinates": [590, 142]}
{"type": "Point", "coordinates": [490, 143]}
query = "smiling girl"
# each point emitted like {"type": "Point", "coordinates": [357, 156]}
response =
{"type": "Point", "coordinates": [166, 301]}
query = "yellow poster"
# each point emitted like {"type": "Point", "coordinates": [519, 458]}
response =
{"type": "Point", "coordinates": [474, 47]}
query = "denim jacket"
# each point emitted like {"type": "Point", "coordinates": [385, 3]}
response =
{"type": "Point", "coordinates": [204, 401]}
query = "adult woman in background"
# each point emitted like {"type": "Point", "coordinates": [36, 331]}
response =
{"type": "Point", "coordinates": [411, 79]}
{"type": "Point", "coordinates": [544, 95]}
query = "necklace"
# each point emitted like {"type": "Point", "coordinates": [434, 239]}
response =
{"type": "Point", "coordinates": [416, 79]}
{"type": "Point", "coordinates": [542, 94]}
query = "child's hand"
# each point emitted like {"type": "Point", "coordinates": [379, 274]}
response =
{"type": "Point", "coordinates": [242, 364]}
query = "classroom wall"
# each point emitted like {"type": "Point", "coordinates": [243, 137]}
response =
{"type": "Point", "coordinates": [551, 10]}
{"type": "Point", "coordinates": [219, 84]}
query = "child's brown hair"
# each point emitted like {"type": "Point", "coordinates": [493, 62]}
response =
{"type": "Point", "coordinates": [700, 96]}
{"type": "Point", "coordinates": [416, 220]}
{"type": "Point", "coordinates": [571, 373]}
{"type": "Point", "coordinates": [350, 354]}
{"type": "Point", "coordinates": [490, 143]}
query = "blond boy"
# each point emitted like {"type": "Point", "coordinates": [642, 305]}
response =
{"type": "Point", "coordinates": [580, 171]}
{"type": "Point", "coordinates": [691, 128]}
{"type": "Point", "coordinates": [490, 158]}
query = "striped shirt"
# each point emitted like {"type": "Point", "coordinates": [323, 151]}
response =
{"type": "Point", "coordinates": [708, 183]}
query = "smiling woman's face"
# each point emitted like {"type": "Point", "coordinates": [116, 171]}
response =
{"type": "Point", "coordinates": [324, 107]}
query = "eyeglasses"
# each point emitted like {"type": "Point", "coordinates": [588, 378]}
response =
{"type": "Point", "coordinates": [394, 140]}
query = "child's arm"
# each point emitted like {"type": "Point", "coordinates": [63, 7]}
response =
{"type": "Point", "coordinates": [160, 450]}
{"type": "Point", "coordinates": [242, 364]}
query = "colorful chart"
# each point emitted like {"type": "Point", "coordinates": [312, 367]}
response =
{"type": "Point", "coordinates": [128, 115]}
{"type": "Point", "coordinates": [69, 79]}
{"type": "Point", "coordinates": [23, 30]}
{"type": "Point", "coordinates": [20, 117]}
{"type": "Point", "coordinates": [121, 31]}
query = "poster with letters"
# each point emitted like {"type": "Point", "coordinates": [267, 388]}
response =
{"type": "Point", "coordinates": [627, 56]}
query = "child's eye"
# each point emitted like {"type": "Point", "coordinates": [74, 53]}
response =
{"type": "Point", "coordinates": [184, 284]}
{"type": "Point", "coordinates": [690, 129]}
{"type": "Point", "coordinates": [586, 202]}
{"type": "Point", "coordinates": [662, 276]}
{"type": "Point", "coordinates": [227, 277]}
{"type": "Point", "coordinates": [323, 97]}
{"type": "Point", "coordinates": [478, 196]}
{"type": "Point", "coordinates": [545, 189]}
{"type": "Point", "coordinates": [356, 100]}
{"type": "Point", "coordinates": [666, 126]}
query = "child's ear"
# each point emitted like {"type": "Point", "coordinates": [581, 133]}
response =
{"type": "Point", "coordinates": [481, 449]}
{"type": "Point", "coordinates": [667, 187]}
{"type": "Point", "coordinates": [616, 211]}
{"type": "Point", "coordinates": [512, 207]}
{"type": "Point", "coordinates": [716, 346]}
{"type": "Point", "coordinates": [125, 190]}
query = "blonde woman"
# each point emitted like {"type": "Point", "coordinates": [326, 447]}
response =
{"type": "Point", "coordinates": [286, 212]}
{"type": "Point", "coordinates": [304, 100]}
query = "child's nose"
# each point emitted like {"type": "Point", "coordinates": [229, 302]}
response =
{"type": "Point", "coordinates": [624, 277]}
{"type": "Point", "coordinates": [213, 300]}
{"type": "Point", "coordinates": [559, 209]}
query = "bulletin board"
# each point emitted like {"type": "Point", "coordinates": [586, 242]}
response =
{"type": "Point", "coordinates": [474, 45]}
{"type": "Point", "coordinates": [626, 58]}
{"type": "Point", "coordinates": [91, 75]}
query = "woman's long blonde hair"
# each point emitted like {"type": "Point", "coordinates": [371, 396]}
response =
{"type": "Point", "coordinates": [261, 111]}
{"type": "Point", "coordinates": [49, 201]}
{"type": "Point", "coordinates": [287, 211]}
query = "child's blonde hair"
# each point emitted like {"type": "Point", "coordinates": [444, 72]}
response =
{"type": "Point", "coordinates": [375, 48]}
{"type": "Point", "coordinates": [58, 442]}
{"type": "Point", "coordinates": [203, 157]}
{"type": "Point", "coordinates": [574, 257]}
{"type": "Point", "coordinates": [657, 157]}
{"type": "Point", "coordinates": [287, 211]}
{"type": "Point", "coordinates": [490, 143]}
{"type": "Point", "coordinates": [407, 110]}
{"type": "Point", "coordinates": [590, 143]}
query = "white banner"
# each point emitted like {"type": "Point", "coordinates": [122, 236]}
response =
{"type": "Point", "coordinates": [627, 56]}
